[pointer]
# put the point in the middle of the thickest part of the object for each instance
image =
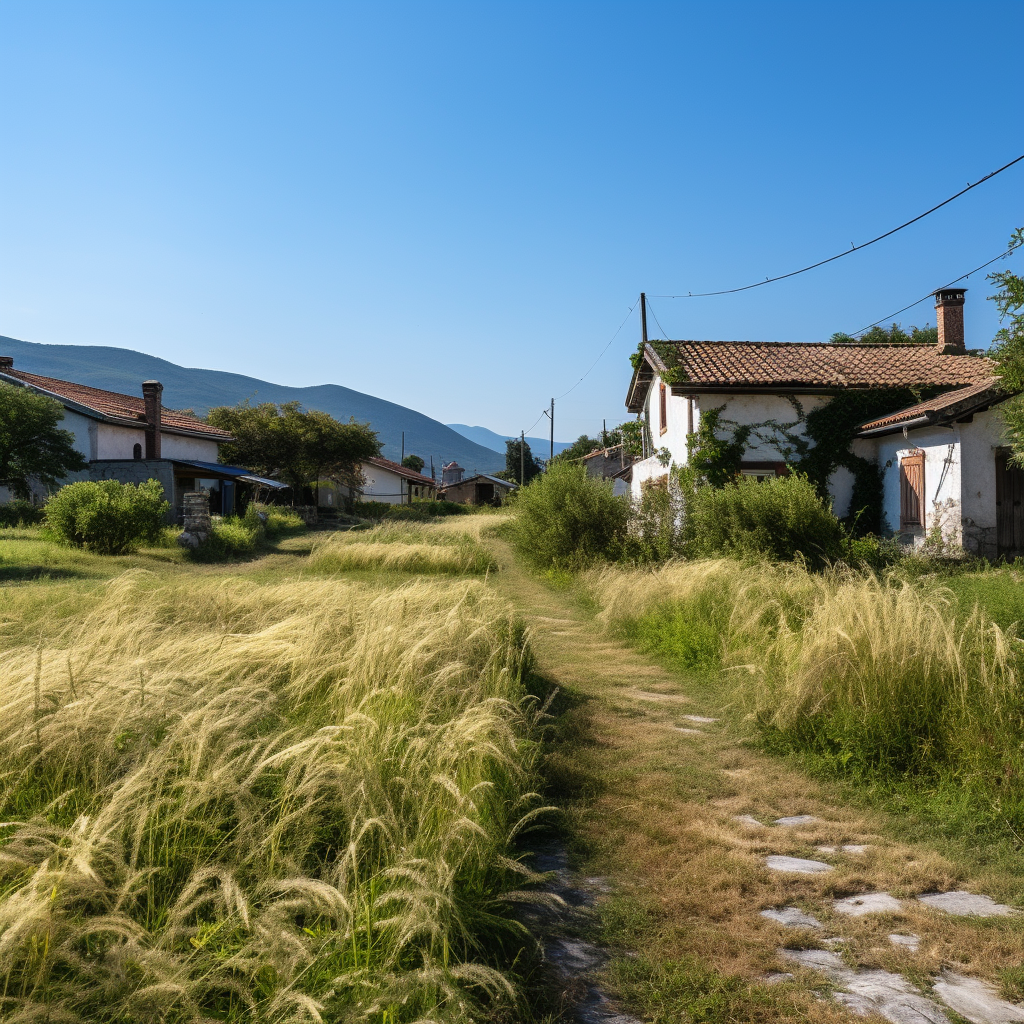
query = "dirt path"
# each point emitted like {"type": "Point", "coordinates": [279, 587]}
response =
{"type": "Point", "coordinates": [673, 824]}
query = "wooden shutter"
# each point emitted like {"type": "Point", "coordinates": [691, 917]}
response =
{"type": "Point", "coordinates": [912, 490]}
{"type": "Point", "coordinates": [663, 402]}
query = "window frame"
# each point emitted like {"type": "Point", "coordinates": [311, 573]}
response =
{"type": "Point", "coordinates": [663, 406]}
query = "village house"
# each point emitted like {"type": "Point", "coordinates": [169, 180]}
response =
{"type": "Point", "coordinates": [383, 480]}
{"type": "Point", "coordinates": [943, 462]}
{"type": "Point", "coordinates": [612, 463]}
{"type": "Point", "coordinates": [134, 438]}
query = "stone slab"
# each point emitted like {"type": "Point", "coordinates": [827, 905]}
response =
{"type": "Point", "coordinates": [746, 819]}
{"type": "Point", "coordinates": [864, 992]}
{"type": "Point", "coordinates": [792, 917]}
{"type": "Point", "coordinates": [701, 719]}
{"type": "Point", "coordinates": [966, 904]}
{"type": "Point", "coordinates": [976, 1000]}
{"type": "Point", "coordinates": [796, 865]}
{"type": "Point", "coordinates": [794, 820]}
{"type": "Point", "coordinates": [574, 956]}
{"type": "Point", "coordinates": [910, 942]}
{"type": "Point", "coordinates": [867, 903]}
{"type": "Point", "coordinates": [845, 848]}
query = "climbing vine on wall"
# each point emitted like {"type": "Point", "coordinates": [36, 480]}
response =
{"type": "Point", "coordinates": [815, 443]}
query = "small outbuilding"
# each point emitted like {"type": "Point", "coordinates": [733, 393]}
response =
{"type": "Point", "coordinates": [479, 490]}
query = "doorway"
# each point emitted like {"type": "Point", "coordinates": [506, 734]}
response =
{"type": "Point", "coordinates": [1009, 506]}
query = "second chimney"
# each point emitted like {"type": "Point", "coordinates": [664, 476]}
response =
{"type": "Point", "coordinates": [949, 318]}
{"type": "Point", "coordinates": [151, 391]}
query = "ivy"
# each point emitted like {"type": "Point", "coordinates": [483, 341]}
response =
{"type": "Point", "coordinates": [711, 458]}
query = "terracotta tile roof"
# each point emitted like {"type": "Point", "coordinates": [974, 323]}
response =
{"type": "Point", "coordinates": [766, 365]}
{"type": "Point", "coordinates": [114, 405]}
{"type": "Point", "coordinates": [403, 471]}
{"type": "Point", "coordinates": [946, 407]}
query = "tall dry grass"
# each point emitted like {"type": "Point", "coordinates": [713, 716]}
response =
{"type": "Point", "coordinates": [402, 547]}
{"type": "Point", "coordinates": [877, 674]}
{"type": "Point", "coordinates": [273, 803]}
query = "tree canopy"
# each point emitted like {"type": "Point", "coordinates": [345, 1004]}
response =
{"type": "Point", "coordinates": [1008, 348]}
{"type": "Point", "coordinates": [514, 448]}
{"type": "Point", "coordinates": [300, 447]}
{"type": "Point", "coordinates": [627, 434]}
{"type": "Point", "coordinates": [894, 335]}
{"type": "Point", "coordinates": [413, 462]}
{"type": "Point", "coordinates": [32, 446]}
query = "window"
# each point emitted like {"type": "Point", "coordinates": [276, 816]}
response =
{"type": "Point", "coordinates": [663, 403]}
{"type": "Point", "coordinates": [912, 490]}
{"type": "Point", "coordinates": [760, 475]}
{"type": "Point", "coordinates": [137, 452]}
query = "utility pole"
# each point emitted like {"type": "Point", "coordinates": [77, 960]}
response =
{"type": "Point", "coordinates": [643, 317]}
{"type": "Point", "coordinates": [522, 456]}
{"type": "Point", "coordinates": [432, 477]}
{"type": "Point", "coordinates": [551, 454]}
{"type": "Point", "coordinates": [403, 446]}
{"type": "Point", "coordinates": [604, 433]}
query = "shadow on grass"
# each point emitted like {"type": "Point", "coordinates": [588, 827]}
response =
{"type": "Point", "coordinates": [30, 573]}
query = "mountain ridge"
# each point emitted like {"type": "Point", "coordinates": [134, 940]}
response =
{"type": "Point", "coordinates": [124, 370]}
{"type": "Point", "coordinates": [540, 446]}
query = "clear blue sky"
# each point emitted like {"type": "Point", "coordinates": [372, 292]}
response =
{"type": "Point", "coordinates": [453, 206]}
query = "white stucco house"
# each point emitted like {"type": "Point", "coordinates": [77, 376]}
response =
{"type": "Point", "coordinates": [943, 462]}
{"type": "Point", "coordinates": [383, 480]}
{"type": "Point", "coordinates": [132, 438]}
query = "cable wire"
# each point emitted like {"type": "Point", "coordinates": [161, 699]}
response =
{"type": "Point", "coordinates": [650, 309]}
{"type": "Point", "coordinates": [852, 249]}
{"type": "Point", "coordinates": [962, 277]}
{"type": "Point", "coordinates": [598, 359]}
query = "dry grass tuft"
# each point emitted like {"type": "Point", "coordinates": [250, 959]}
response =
{"type": "Point", "coordinates": [402, 547]}
{"type": "Point", "coordinates": [289, 802]}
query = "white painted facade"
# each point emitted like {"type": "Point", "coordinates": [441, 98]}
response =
{"type": "Point", "coordinates": [766, 446]}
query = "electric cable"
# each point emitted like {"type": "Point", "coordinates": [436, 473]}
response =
{"type": "Point", "coordinates": [853, 248]}
{"type": "Point", "coordinates": [598, 359]}
{"type": "Point", "coordinates": [962, 277]}
{"type": "Point", "coordinates": [650, 309]}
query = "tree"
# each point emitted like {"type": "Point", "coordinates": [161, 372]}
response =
{"type": "Point", "coordinates": [31, 443]}
{"type": "Point", "coordinates": [413, 462]}
{"type": "Point", "coordinates": [517, 451]}
{"type": "Point", "coordinates": [1008, 349]}
{"type": "Point", "coordinates": [296, 446]}
{"type": "Point", "coordinates": [894, 335]}
{"type": "Point", "coordinates": [582, 446]}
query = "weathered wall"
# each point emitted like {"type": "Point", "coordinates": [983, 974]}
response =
{"type": "Point", "coordinates": [177, 446]}
{"type": "Point", "coordinates": [383, 485]}
{"type": "Point", "coordinates": [116, 442]}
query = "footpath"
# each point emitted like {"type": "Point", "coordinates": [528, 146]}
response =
{"type": "Point", "coordinates": [706, 881]}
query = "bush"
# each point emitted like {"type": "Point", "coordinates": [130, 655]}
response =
{"type": "Point", "coordinates": [274, 520]}
{"type": "Point", "coordinates": [654, 526]}
{"type": "Point", "coordinates": [107, 516]}
{"type": "Point", "coordinates": [778, 519]}
{"type": "Point", "coordinates": [566, 519]}
{"type": "Point", "coordinates": [416, 511]}
{"type": "Point", "coordinates": [19, 512]}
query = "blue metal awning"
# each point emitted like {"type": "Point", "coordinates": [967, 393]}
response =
{"type": "Point", "coordinates": [233, 473]}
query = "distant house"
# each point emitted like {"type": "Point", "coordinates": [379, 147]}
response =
{"type": "Point", "coordinates": [451, 473]}
{"type": "Point", "coordinates": [391, 482]}
{"type": "Point", "coordinates": [133, 438]}
{"type": "Point", "coordinates": [610, 464]}
{"type": "Point", "coordinates": [942, 461]}
{"type": "Point", "coordinates": [479, 490]}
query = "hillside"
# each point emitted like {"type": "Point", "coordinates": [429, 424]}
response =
{"type": "Point", "coordinates": [540, 446]}
{"type": "Point", "coordinates": [121, 369]}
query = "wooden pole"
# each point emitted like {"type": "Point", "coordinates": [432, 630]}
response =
{"type": "Point", "coordinates": [551, 454]}
{"type": "Point", "coordinates": [403, 446]}
{"type": "Point", "coordinates": [522, 456]}
{"type": "Point", "coordinates": [643, 317]}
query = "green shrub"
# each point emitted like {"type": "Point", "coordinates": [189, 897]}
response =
{"type": "Point", "coordinates": [778, 519]}
{"type": "Point", "coordinates": [106, 516]}
{"type": "Point", "coordinates": [274, 520]}
{"type": "Point", "coordinates": [417, 511]}
{"type": "Point", "coordinates": [567, 519]}
{"type": "Point", "coordinates": [654, 527]}
{"type": "Point", "coordinates": [371, 509]}
{"type": "Point", "coordinates": [871, 552]}
{"type": "Point", "coordinates": [19, 512]}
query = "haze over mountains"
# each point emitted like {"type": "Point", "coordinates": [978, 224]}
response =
{"type": "Point", "coordinates": [540, 446]}
{"type": "Point", "coordinates": [124, 370]}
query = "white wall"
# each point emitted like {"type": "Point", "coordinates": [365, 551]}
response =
{"type": "Point", "coordinates": [116, 442]}
{"type": "Point", "coordinates": [176, 446]}
{"type": "Point", "coordinates": [383, 485]}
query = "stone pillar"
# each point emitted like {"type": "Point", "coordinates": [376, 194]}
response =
{"type": "Point", "coordinates": [197, 526]}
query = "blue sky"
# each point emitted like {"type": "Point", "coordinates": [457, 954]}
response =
{"type": "Point", "coordinates": [453, 206]}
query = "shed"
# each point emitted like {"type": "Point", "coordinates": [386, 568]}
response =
{"type": "Point", "coordinates": [479, 490]}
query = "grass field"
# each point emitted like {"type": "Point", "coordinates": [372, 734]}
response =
{"type": "Point", "coordinates": [255, 793]}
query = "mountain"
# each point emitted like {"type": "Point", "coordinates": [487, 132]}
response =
{"type": "Point", "coordinates": [540, 446]}
{"type": "Point", "coordinates": [121, 369]}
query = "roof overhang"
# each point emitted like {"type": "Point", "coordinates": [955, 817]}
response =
{"type": "Point", "coordinates": [215, 471]}
{"type": "Point", "coordinates": [940, 417]}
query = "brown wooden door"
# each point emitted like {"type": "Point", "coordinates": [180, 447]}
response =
{"type": "Point", "coordinates": [1009, 507]}
{"type": "Point", "coordinates": [912, 491]}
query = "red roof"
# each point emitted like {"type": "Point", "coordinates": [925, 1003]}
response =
{"type": "Point", "coordinates": [695, 366]}
{"type": "Point", "coordinates": [111, 404]}
{"type": "Point", "coordinates": [403, 471]}
{"type": "Point", "coordinates": [951, 405]}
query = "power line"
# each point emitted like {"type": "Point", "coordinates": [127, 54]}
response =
{"type": "Point", "coordinates": [962, 277]}
{"type": "Point", "coordinates": [650, 309]}
{"type": "Point", "coordinates": [598, 359]}
{"type": "Point", "coordinates": [852, 249]}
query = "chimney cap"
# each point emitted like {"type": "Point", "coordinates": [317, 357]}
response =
{"type": "Point", "coordinates": [949, 295]}
{"type": "Point", "coordinates": [152, 385]}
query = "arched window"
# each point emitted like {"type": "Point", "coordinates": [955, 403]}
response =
{"type": "Point", "coordinates": [137, 452]}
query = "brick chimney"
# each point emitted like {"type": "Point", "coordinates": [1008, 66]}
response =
{"type": "Point", "coordinates": [151, 391]}
{"type": "Point", "coordinates": [949, 317]}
